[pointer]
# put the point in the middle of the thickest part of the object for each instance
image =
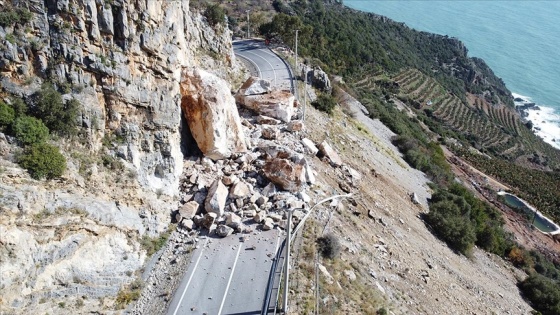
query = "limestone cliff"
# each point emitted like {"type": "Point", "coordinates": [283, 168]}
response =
{"type": "Point", "coordinates": [123, 61]}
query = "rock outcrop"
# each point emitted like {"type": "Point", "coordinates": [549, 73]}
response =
{"type": "Point", "coordinates": [123, 62]}
{"type": "Point", "coordinates": [317, 77]}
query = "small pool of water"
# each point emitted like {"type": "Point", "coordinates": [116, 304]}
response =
{"type": "Point", "coordinates": [540, 221]}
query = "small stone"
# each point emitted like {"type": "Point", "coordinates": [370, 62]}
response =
{"type": "Point", "coordinates": [305, 197]}
{"type": "Point", "coordinates": [350, 275]}
{"type": "Point", "coordinates": [269, 190]}
{"type": "Point", "coordinates": [233, 220]}
{"type": "Point", "coordinates": [275, 217]}
{"type": "Point", "coordinates": [295, 126]}
{"type": "Point", "coordinates": [310, 146]}
{"type": "Point", "coordinates": [270, 133]}
{"type": "Point", "coordinates": [208, 220]}
{"type": "Point", "coordinates": [188, 224]}
{"type": "Point", "coordinates": [261, 200]}
{"type": "Point", "coordinates": [259, 216]}
{"type": "Point", "coordinates": [224, 230]}
{"type": "Point", "coordinates": [265, 120]}
{"type": "Point", "coordinates": [240, 190]}
{"type": "Point", "coordinates": [230, 180]}
{"type": "Point", "coordinates": [330, 153]}
{"type": "Point", "coordinates": [249, 213]}
{"type": "Point", "coordinates": [268, 224]}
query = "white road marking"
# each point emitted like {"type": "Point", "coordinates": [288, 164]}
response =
{"type": "Point", "coordinates": [190, 278]}
{"type": "Point", "coordinates": [251, 61]}
{"type": "Point", "coordinates": [230, 277]}
{"type": "Point", "coordinates": [271, 66]}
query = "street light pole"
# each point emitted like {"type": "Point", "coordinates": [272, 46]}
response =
{"type": "Point", "coordinates": [296, 69]}
{"type": "Point", "coordinates": [247, 11]}
{"type": "Point", "coordinates": [287, 261]}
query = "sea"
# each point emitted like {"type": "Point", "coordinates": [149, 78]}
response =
{"type": "Point", "coordinates": [519, 40]}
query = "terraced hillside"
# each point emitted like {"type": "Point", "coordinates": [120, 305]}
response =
{"type": "Point", "coordinates": [493, 128]}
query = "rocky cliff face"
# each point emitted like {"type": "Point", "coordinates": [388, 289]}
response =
{"type": "Point", "coordinates": [123, 61]}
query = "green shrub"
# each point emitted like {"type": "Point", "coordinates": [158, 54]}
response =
{"type": "Point", "coordinates": [329, 246]}
{"type": "Point", "coordinates": [215, 14]}
{"type": "Point", "coordinates": [7, 115]}
{"type": "Point", "coordinates": [11, 16]}
{"type": "Point", "coordinates": [30, 130]}
{"type": "Point", "coordinates": [325, 103]}
{"type": "Point", "coordinates": [19, 106]}
{"type": "Point", "coordinates": [153, 244]}
{"type": "Point", "coordinates": [543, 293]}
{"type": "Point", "coordinates": [11, 38]}
{"type": "Point", "coordinates": [60, 117]}
{"type": "Point", "coordinates": [129, 294]}
{"type": "Point", "coordinates": [451, 223]}
{"type": "Point", "coordinates": [43, 161]}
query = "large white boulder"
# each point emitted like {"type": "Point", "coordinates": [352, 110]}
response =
{"type": "Point", "coordinates": [211, 114]}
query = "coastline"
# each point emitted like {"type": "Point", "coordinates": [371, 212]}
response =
{"type": "Point", "coordinates": [545, 120]}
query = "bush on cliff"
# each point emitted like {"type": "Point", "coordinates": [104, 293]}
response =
{"type": "Point", "coordinates": [58, 115]}
{"type": "Point", "coordinates": [7, 115]}
{"type": "Point", "coordinates": [30, 130]}
{"type": "Point", "coordinates": [543, 293]}
{"type": "Point", "coordinates": [215, 14]}
{"type": "Point", "coordinates": [329, 246]}
{"type": "Point", "coordinates": [43, 161]}
{"type": "Point", "coordinates": [325, 103]}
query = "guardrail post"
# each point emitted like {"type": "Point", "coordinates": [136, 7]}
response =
{"type": "Point", "coordinates": [287, 261]}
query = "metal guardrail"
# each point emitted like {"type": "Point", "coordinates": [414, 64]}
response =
{"type": "Point", "coordinates": [271, 280]}
{"type": "Point", "coordinates": [272, 277]}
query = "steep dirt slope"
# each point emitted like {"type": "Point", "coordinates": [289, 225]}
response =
{"type": "Point", "coordinates": [389, 256]}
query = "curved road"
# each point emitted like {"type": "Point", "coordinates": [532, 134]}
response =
{"type": "Point", "coordinates": [267, 65]}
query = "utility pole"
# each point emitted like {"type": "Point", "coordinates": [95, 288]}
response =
{"type": "Point", "coordinates": [296, 69]}
{"type": "Point", "coordinates": [247, 11]}
{"type": "Point", "coordinates": [287, 261]}
{"type": "Point", "coordinates": [304, 93]}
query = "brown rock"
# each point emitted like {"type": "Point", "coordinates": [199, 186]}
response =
{"type": "Point", "coordinates": [270, 133]}
{"type": "Point", "coordinates": [265, 120]}
{"type": "Point", "coordinates": [211, 114]}
{"type": "Point", "coordinates": [296, 125]}
{"type": "Point", "coordinates": [286, 174]}
{"type": "Point", "coordinates": [208, 220]}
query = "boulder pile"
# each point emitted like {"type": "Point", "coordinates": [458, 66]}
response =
{"type": "Point", "coordinates": [254, 188]}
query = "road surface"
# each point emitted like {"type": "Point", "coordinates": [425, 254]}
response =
{"type": "Point", "coordinates": [227, 276]}
{"type": "Point", "coordinates": [267, 65]}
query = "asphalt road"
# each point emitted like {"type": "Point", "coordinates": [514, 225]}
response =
{"type": "Point", "coordinates": [267, 65]}
{"type": "Point", "coordinates": [227, 276]}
